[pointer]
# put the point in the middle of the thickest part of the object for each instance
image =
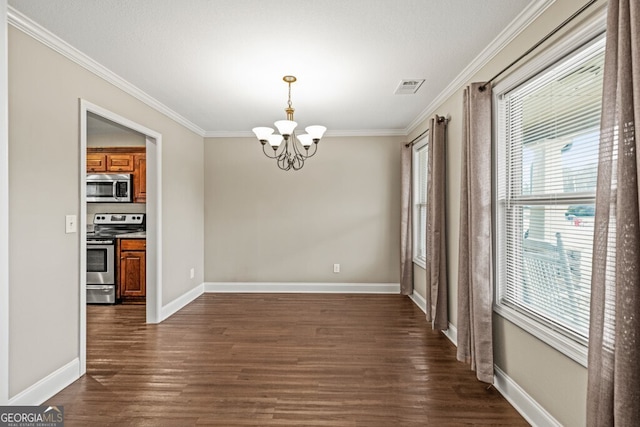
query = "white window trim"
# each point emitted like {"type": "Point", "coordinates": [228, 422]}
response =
{"type": "Point", "coordinates": [417, 146]}
{"type": "Point", "coordinates": [588, 31]}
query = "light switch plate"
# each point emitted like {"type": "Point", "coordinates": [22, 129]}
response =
{"type": "Point", "coordinates": [71, 225]}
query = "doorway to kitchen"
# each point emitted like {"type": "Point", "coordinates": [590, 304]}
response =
{"type": "Point", "coordinates": [153, 149]}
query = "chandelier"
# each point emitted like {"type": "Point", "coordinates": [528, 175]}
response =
{"type": "Point", "coordinates": [295, 150]}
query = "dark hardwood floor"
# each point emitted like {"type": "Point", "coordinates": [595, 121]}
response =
{"type": "Point", "coordinates": [277, 360]}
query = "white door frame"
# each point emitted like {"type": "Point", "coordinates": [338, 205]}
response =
{"type": "Point", "coordinates": [154, 219]}
{"type": "Point", "coordinates": [4, 208]}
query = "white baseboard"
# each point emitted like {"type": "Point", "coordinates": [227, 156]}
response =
{"type": "Point", "coordinates": [530, 410]}
{"type": "Point", "coordinates": [48, 386]}
{"type": "Point", "coordinates": [419, 301]}
{"type": "Point", "coordinates": [315, 288]}
{"type": "Point", "coordinates": [178, 303]}
{"type": "Point", "coordinates": [451, 332]}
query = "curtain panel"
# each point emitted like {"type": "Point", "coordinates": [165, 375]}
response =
{"type": "Point", "coordinates": [436, 245]}
{"type": "Point", "coordinates": [475, 268]}
{"type": "Point", "coordinates": [406, 221]}
{"type": "Point", "coordinates": [613, 386]}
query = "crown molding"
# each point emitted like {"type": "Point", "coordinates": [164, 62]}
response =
{"type": "Point", "coordinates": [367, 132]}
{"type": "Point", "coordinates": [330, 133]}
{"type": "Point", "coordinates": [44, 36]}
{"type": "Point", "coordinates": [522, 21]}
{"type": "Point", "coordinates": [39, 33]}
{"type": "Point", "coordinates": [31, 28]}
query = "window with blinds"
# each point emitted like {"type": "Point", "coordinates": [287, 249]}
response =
{"type": "Point", "coordinates": [547, 156]}
{"type": "Point", "coordinates": [420, 165]}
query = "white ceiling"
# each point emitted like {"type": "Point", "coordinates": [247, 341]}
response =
{"type": "Point", "coordinates": [220, 63]}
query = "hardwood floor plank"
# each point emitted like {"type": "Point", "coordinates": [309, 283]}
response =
{"type": "Point", "coordinates": [277, 360]}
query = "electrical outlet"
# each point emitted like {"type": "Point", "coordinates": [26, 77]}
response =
{"type": "Point", "coordinates": [192, 273]}
{"type": "Point", "coordinates": [336, 268]}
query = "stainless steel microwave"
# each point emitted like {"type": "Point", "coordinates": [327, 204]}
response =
{"type": "Point", "coordinates": [109, 188]}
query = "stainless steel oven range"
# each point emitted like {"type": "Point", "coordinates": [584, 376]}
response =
{"type": "Point", "coordinates": [101, 265]}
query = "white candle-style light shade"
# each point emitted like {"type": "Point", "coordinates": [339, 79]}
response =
{"type": "Point", "coordinates": [316, 132]}
{"type": "Point", "coordinates": [262, 133]}
{"type": "Point", "coordinates": [274, 140]}
{"type": "Point", "coordinates": [305, 139]}
{"type": "Point", "coordinates": [286, 127]}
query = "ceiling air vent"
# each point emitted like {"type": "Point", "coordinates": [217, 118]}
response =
{"type": "Point", "coordinates": [408, 87]}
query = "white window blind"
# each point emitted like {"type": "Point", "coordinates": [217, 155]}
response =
{"type": "Point", "coordinates": [420, 165]}
{"type": "Point", "coordinates": [548, 136]}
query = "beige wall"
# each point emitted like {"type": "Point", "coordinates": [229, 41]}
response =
{"type": "Point", "coordinates": [267, 225]}
{"type": "Point", "coordinates": [552, 379]}
{"type": "Point", "coordinates": [44, 141]}
{"type": "Point", "coordinates": [252, 221]}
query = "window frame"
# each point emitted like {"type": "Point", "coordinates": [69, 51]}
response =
{"type": "Point", "coordinates": [418, 146]}
{"type": "Point", "coordinates": [590, 32]}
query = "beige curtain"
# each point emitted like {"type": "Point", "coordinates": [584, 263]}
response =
{"type": "Point", "coordinates": [475, 268]}
{"type": "Point", "coordinates": [406, 228]}
{"type": "Point", "coordinates": [613, 390]}
{"type": "Point", "coordinates": [436, 263]}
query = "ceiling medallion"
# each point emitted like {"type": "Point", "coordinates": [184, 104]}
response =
{"type": "Point", "coordinates": [295, 150]}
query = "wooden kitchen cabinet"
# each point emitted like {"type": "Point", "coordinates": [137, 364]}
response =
{"type": "Point", "coordinates": [140, 178]}
{"type": "Point", "coordinates": [120, 163]}
{"type": "Point", "coordinates": [113, 159]}
{"type": "Point", "coordinates": [132, 271]}
{"type": "Point", "coordinates": [121, 160]}
{"type": "Point", "coordinates": [96, 162]}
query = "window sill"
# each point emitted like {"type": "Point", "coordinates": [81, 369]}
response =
{"type": "Point", "coordinates": [420, 263]}
{"type": "Point", "coordinates": [573, 350]}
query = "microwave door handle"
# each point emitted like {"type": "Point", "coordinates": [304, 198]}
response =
{"type": "Point", "coordinates": [115, 190]}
